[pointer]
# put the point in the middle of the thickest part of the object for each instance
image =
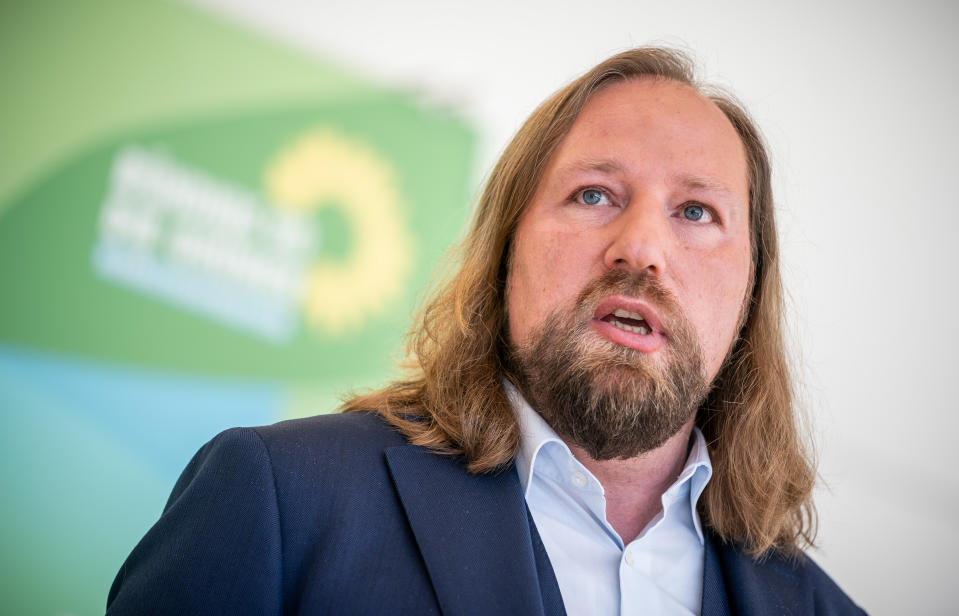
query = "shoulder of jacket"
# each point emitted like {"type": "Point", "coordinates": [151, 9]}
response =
{"type": "Point", "coordinates": [322, 442]}
{"type": "Point", "coordinates": [365, 426]}
{"type": "Point", "coordinates": [797, 581]}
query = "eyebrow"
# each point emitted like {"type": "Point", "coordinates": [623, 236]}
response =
{"type": "Point", "coordinates": [601, 165]}
{"type": "Point", "coordinates": [701, 182]}
{"type": "Point", "coordinates": [689, 181]}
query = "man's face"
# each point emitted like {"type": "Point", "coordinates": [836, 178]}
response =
{"type": "Point", "coordinates": [636, 246]}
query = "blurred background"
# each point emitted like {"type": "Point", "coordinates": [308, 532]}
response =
{"type": "Point", "coordinates": [218, 213]}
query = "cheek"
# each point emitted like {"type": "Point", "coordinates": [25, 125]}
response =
{"type": "Point", "coordinates": [547, 273]}
{"type": "Point", "coordinates": [718, 306]}
{"type": "Point", "coordinates": [523, 285]}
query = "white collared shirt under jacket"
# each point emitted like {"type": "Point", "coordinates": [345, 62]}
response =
{"type": "Point", "coordinates": [660, 572]}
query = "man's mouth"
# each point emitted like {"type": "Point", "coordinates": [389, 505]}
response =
{"type": "Point", "coordinates": [628, 321]}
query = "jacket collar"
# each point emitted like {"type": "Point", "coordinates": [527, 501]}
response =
{"type": "Point", "coordinates": [475, 535]}
{"type": "Point", "coordinates": [715, 601]}
{"type": "Point", "coordinates": [484, 556]}
{"type": "Point", "coordinates": [736, 583]}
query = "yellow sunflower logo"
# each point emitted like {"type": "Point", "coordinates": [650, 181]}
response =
{"type": "Point", "coordinates": [324, 168]}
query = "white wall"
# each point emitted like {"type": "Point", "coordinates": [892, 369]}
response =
{"type": "Point", "coordinates": [857, 100]}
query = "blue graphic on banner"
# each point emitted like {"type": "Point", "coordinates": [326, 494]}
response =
{"type": "Point", "coordinates": [162, 418]}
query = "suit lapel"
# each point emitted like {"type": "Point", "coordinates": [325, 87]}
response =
{"type": "Point", "coordinates": [715, 601]}
{"type": "Point", "coordinates": [769, 585]}
{"type": "Point", "coordinates": [473, 533]}
{"type": "Point", "coordinates": [549, 587]}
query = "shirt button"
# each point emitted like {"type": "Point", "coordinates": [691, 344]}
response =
{"type": "Point", "coordinates": [579, 479]}
{"type": "Point", "coordinates": [628, 557]}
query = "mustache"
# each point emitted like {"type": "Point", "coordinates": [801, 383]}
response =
{"type": "Point", "coordinates": [633, 284]}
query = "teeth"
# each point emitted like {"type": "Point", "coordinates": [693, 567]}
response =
{"type": "Point", "coordinates": [629, 328]}
{"type": "Point", "coordinates": [619, 312]}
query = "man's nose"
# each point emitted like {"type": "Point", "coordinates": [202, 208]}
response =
{"type": "Point", "coordinates": [639, 238]}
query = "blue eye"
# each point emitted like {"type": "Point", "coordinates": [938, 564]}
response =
{"type": "Point", "coordinates": [693, 212]}
{"type": "Point", "coordinates": [592, 197]}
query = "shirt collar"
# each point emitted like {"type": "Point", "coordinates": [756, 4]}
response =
{"type": "Point", "coordinates": [535, 434]}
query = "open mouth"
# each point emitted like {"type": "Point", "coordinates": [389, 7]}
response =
{"type": "Point", "coordinates": [628, 321]}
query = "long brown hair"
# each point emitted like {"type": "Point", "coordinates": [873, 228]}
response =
{"type": "Point", "coordinates": [453, 400]}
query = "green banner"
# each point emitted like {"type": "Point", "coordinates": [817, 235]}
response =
{"type": "Point", "coordinates": [265, 242]}
{"type": "Point", "coordinates": [198, 229]}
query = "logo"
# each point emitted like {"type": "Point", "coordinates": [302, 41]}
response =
{"type": "Point", "coordinates": [257, 263]}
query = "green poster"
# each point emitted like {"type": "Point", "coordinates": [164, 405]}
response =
{"type": "Point", "coordinates": [198, 229]}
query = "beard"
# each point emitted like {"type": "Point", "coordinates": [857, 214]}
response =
{"type": "Point", "coordinates": [611, 400]}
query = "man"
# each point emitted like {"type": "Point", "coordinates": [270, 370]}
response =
{"type": "Point", "coordinates": [598, 419]}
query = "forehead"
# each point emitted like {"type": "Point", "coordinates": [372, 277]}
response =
{"type": "Point", "coordinates": [660, 128]}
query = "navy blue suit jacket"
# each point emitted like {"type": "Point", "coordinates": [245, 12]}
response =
{"type": "Point", "coordinates": [338, 514]}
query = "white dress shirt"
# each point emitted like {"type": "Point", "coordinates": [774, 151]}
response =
{"type": "Point", "coordinates": [659, 572]}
